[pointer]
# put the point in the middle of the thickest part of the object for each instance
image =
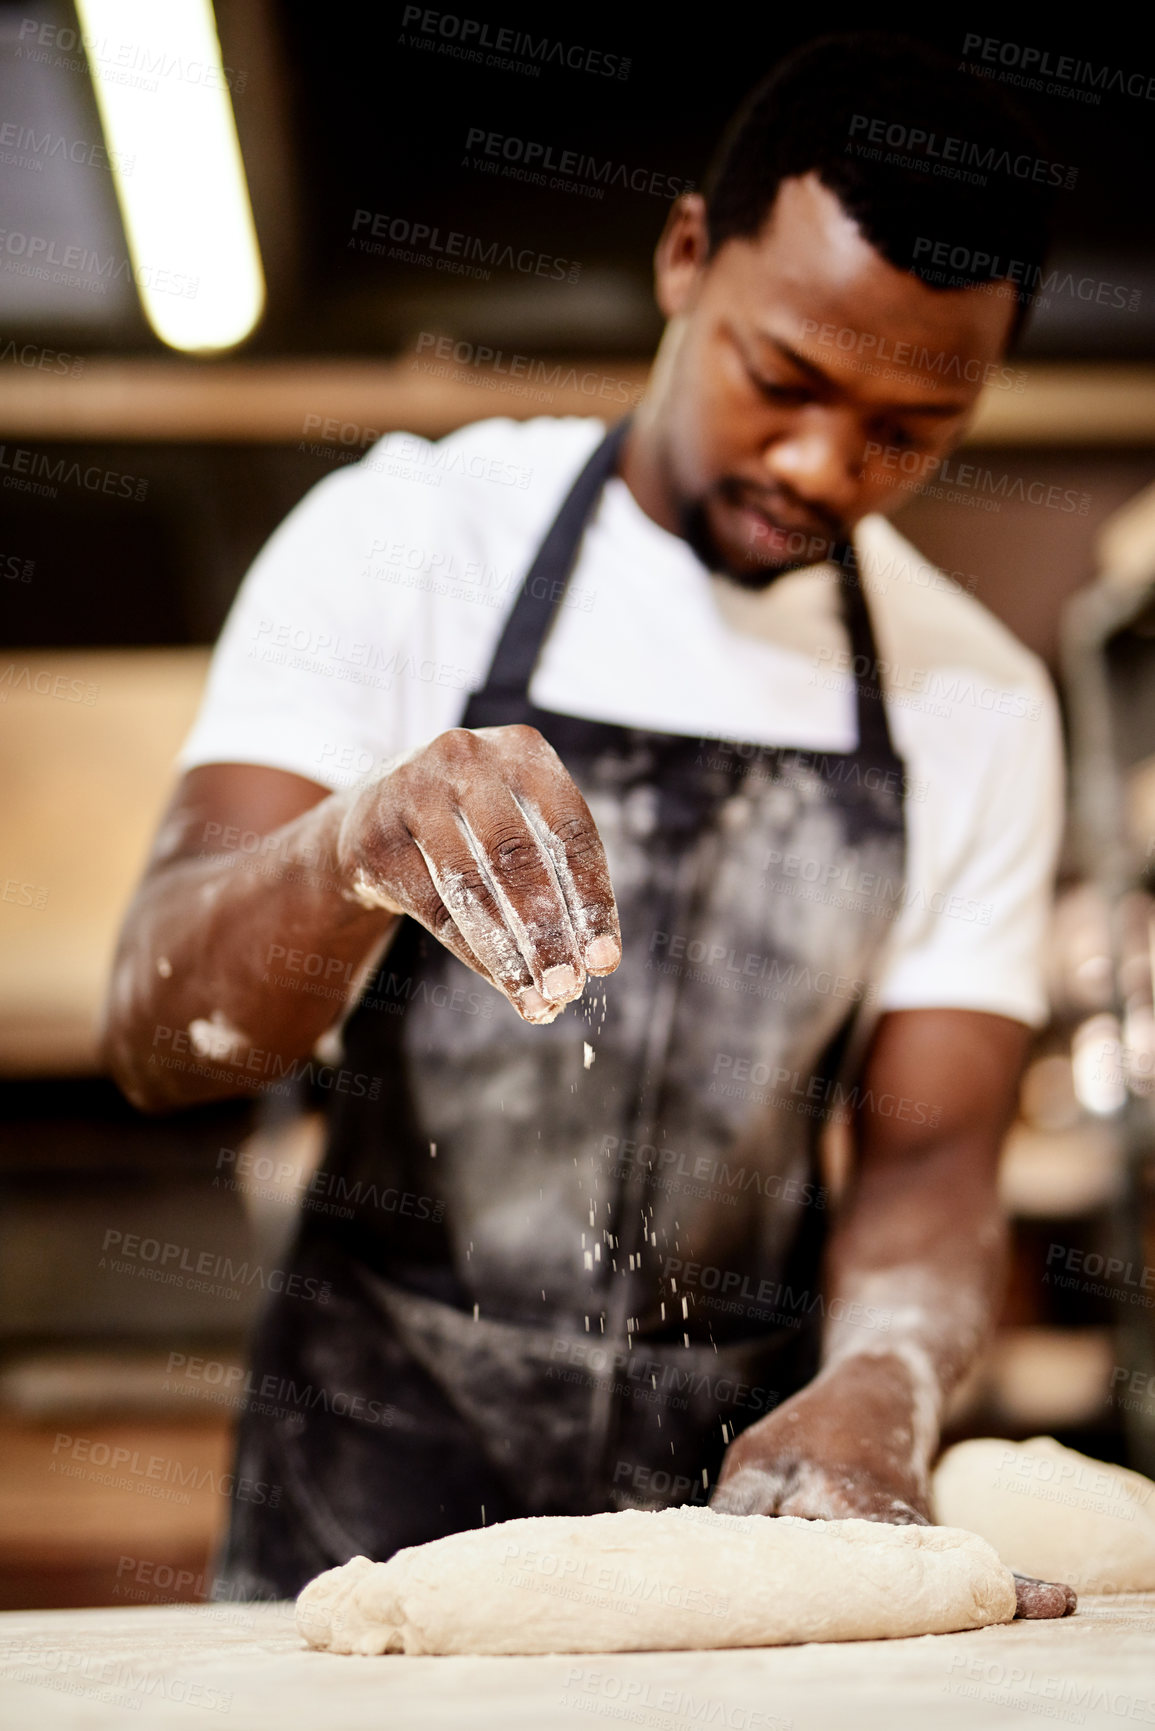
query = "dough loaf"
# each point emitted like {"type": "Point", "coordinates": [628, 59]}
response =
{"type": "Point", "coordinates": [678, 1578]}
{"type": "Point", "coordinates": [1051, 1512]}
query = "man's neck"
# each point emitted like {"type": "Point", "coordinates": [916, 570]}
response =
{"type": "Point", "coordinates": [641, 468]}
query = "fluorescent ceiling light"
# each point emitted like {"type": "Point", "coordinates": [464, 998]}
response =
{"type": "Point", "coordinates": [168, 121]}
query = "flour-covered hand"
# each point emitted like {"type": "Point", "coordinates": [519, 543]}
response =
{"type": "Point", "coordinates": [844, 1449]}
{"type": "Point", "coordinates": [841, 1449]}
{"type": "Point", "coordinates": [484, 838]}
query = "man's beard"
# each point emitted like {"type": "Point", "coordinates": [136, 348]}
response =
{"type": "Point", "coordinates": [696, 532]}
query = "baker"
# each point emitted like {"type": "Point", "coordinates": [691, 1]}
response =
{"type": "Point", "coordinates": [631, 801]}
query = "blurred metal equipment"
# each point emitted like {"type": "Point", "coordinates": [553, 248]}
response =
{"type": "Point", "coordinates": [1109, 680]}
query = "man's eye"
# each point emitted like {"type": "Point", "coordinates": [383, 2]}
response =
{"type": "Point", "coordinates": [775, 392]}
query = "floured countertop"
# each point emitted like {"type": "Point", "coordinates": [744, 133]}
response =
{"type": "Point", "coordinates": [246, 1667]}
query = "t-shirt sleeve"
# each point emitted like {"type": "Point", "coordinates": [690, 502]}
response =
{"type": "Point", "coordinates": [373, 610]}
{"type": "Point", "coordinates": [299, 678]}
{"type": "Point", "coordinates": [981, 863]}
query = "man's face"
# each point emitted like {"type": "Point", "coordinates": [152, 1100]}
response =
{"type": "Point", "coordinates": [804, 381]}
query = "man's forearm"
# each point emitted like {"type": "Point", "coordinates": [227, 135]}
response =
{"type": "Point", "coordinates": [912, 1280]}
{"type": "Point", "coordinates": [232, 964]}
{"type": "Point", "coordinates": [914, 1277]}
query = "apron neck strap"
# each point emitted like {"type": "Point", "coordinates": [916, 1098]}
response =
{"type": "Point", "coordinates": [543, 589]}
{"type": "Point", "coordinates": [874, 739]}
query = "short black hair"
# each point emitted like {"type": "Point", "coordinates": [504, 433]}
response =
{"type": "Point", "coordinates": [944, 176]}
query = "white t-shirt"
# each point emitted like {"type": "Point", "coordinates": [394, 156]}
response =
{"type": "Point", "coordinates": [376, 606]}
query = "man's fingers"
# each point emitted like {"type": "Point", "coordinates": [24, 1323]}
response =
{"type": "Point", "coordinates": [484, 837]}
{"type": "Point", "coordinates": [1038, 1599]}
{"type": "Point", "coordinates": [571, 841]}
{"type": "Point", "coordinates": [899, 1514]}
{"type": "Point", "coordinates": [524, 889]}
{"type": "Point", "coordinates": [565, 830]}
{"type": "Point", "coordinates": [823, 1497]}
{"type": "Point", "coordinates": [796, 1488]}
{"type": "Point", "coordinates": [474, 921]}
{"type": "Point", "coordinates": [426, 906]}
{"type": "Point", "coordinates": [447, 934]}
{"type": "Point", "coordinates": [486, 871]}
{"type": "Point", "coordinates": [749, 1491]}
{"type": "Point", "coordinates": [424, 894]}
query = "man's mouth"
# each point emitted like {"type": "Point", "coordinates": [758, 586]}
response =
{"type": "Point", "coordinates": [773, 531]}
{"type": "Point", "coordinates": [753, 539]}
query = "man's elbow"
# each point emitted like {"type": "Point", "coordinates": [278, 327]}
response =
{"type": "Point", "coordinates": [141, 1079]}
{"type": "Point", "coordinates": [154, 1087]}
{"type": "Point", "coordinates": [140, 1054]}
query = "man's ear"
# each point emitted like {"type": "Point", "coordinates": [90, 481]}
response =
{"type": "Point", "coordinates": [680, 257]}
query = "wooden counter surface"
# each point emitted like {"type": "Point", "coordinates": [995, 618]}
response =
{"type": "Point", "coordinates": [196, 1665]}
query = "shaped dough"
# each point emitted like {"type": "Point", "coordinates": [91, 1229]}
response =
{"type": "Point", "coordinates": [677, 1578]}
{"type": "Point", "coordinates": [1051, 1512]}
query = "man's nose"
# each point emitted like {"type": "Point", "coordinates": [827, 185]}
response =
{"type": "Point", "coordinates": [819, 459]}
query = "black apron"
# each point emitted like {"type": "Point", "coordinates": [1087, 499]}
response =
{"type": "Point", "coordinates": [532, 1284]}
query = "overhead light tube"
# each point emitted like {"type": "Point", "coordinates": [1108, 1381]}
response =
{"type": "Point", "coordinates": [166, 109]}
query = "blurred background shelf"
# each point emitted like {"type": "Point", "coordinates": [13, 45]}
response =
{"type": "Point", "coordinates": [85, 776]}
{"type": "Point", "coordinates": [68, 1537]}
{"type": "Point", "coordinates": [284, 401]}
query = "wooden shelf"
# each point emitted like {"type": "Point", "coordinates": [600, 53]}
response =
{"type": "Point", "coordinates": [99, 768]}
{"type": "Point", "coordinates": [272, 402]}
{"type": "Point", "coordinates": [70, 1526]}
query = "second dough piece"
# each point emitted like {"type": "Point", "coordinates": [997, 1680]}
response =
{"type": "Point", "coordinates": [1052, 1512]}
